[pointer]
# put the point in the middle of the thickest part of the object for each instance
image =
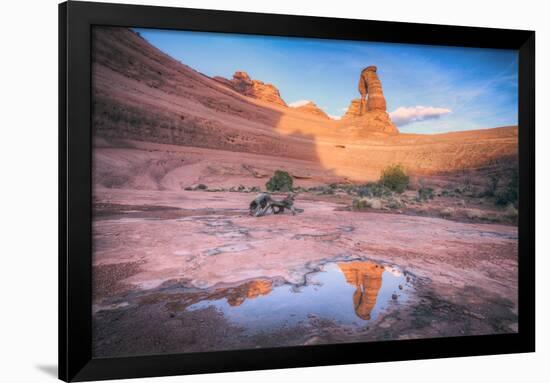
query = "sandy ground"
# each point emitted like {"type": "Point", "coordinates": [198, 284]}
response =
{"type": "Point", "coordinates": [158, 253]}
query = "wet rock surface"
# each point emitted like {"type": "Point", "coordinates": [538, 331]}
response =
{"type": "Point", "coordinates": [217, 279]}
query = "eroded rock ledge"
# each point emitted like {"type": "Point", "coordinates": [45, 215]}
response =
{"type": "Point", "coordinates": [242, 83]}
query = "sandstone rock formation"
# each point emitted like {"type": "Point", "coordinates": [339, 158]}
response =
{"type": "Point", "coordinates": [311, 108]}
{"type": "Point", "coordinates": [369, 111]}
{"type": "Point", "coordinates": [354, 109]}
{"type": "Point", "coordinates": [369, 84]}
{"type": "Point", "coordinates": [367, 277]}
{"type": "Point", "coordinates": [242, 83]}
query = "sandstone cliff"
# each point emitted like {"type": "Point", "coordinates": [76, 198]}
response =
{"type": "Point", "coordinates": [242, 83]}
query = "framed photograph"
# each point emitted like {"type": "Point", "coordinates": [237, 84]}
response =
{"type": "Point", "coordinates": [249, 191]}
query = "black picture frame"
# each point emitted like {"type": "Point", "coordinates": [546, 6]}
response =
{"type": "Point", "coordinates": [75, 275]}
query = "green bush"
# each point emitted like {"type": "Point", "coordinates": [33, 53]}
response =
{"type": "Point", "coordinates": [359, 204]}
{"type": "Point", "coordinates": [492, 186]}
{"type": "Point", "coordinates": [424, 194]}
{"type": "Point", "coordinates": [373, 189]}
{"type": "Point", "coordinates": [395, 203]}
{"type": "Point", "coordinates": [394, 178]}
{"type": "Point", "coordinates": [508, 194]}
{"type": "Point", "coordinates": [321, 189]}
{"type": "Point", "coordinates": [506, 197]}
{"type": "Point", "coordinates": [511, 212]}
{"type": "Point", "coordinates": [281, 181]}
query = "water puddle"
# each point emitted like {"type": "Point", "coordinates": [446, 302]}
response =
{"type": "Point", "coordinates": [349, 293]}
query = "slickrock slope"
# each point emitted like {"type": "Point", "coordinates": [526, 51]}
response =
{"type": "Point", "coordinates": [141, 94]}
{"type": "Point", "coordinates": [243, 84]}
{"type": "Point", "coordinates": [157, 123]}
{"type": "Point", "coordinates": [312, 108]}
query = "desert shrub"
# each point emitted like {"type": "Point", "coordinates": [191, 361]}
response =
{"type": "Point", "coordinates": [281, 181]}
{"type": "Point", "coordinates": [448, 193]}
{"type": "Point", "coordinates": [474, 214]}
{"type": "Point", "coordinates": [447, 212]}
{"type": "Point", "coordinates": [506, 196]}
{"type": "Point", "coordinates": [374, 203]}
{"type": "Point", "coordinates": [491, 187]}
{"type": "Point", "coordinates": [424, 193]}
{"type": "Point", "coordinates": [395, 203]}
{"type": "Point", "coordinates": [373, 189]}
{"type": "Point", "coordinates": [394, 178]}
{"type": "Point", "coordinates": [509, 193]}
{"type": "Point", "coordinates": [363, 203]}
{"type": "Point", "coordinates": [242, 189]}
{"type": "Point", "coordinates": [511, 211]}
{"type": "Point", "coordinates": [359, 204]}
{"type": "Point", "coordinates": [322, 189]}
{"type": "Point", "coordinates": [459, 190]}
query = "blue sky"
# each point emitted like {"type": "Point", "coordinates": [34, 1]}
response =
{"type": "Point", "coordinates": [428, 89]}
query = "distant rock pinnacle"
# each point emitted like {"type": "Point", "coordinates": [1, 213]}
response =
{"type": "Point", "coordinates": [369, 111]}
{"type": "Point", "coordinates": [369, 84]}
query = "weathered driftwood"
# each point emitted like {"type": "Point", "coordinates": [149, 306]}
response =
{"type": "Point", "coordinates": [263, 203]}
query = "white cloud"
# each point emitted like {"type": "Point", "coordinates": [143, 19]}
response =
{"type": "Point", "coordinates": [335, 117]}
{"type": "Point", "coordinates": [407, 115]}
{"type": "Point", "coordinates": [298, 103]}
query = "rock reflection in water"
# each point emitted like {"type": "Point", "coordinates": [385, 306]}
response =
{"type": "Point", "coordinates": [249, 290]}
{"type": "Point", "coordinates": [367, 277]}
{"type": "Point", "coordinates": [348, 293]}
